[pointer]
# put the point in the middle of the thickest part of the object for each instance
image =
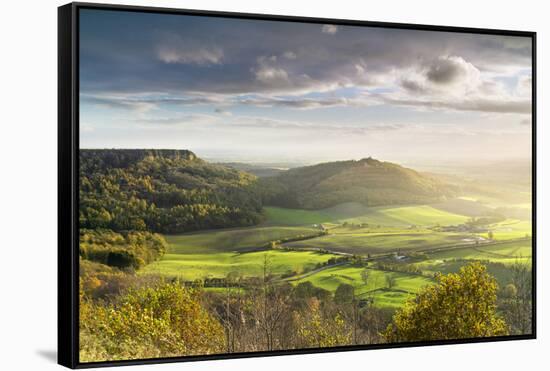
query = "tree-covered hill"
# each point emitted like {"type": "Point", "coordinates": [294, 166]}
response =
{"type": "Point", "coordinates": [166, 191]}
{"type": "Point", "coordinates": [368, 181]}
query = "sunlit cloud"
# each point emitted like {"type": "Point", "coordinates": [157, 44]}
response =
{"type": "Point", "coordinates": [329, 28]}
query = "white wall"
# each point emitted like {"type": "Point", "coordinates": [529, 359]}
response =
{"type": "Point", "coordinates": [28, 182]}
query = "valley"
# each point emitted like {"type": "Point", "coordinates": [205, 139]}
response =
{"type": "Point", "coordinates": [403, 244]}
{"type": "Point", "coordinates": [338, 249]}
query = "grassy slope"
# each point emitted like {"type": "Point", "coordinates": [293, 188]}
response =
{"type": "Point", "coordinates": [198, 266]}
{"type": "Point", "coordinates": [423, 215]}
{"type": "Point", "coordinates": [376, 287]}
{"type": "Point", "coordinates": [232, 240]}
{"type": "Point", "coordinates": [506, 252]}
{"type": "Point", "coordinates": [364, 241]}
{"type": "Point", "coordinates": [352, 212]}
{"type": "Point", "coordinates": [511, 229]}
{"type": "Point", "coordinates": [282, 216]}
{"type": "Point", "coordinates": [219, 252]}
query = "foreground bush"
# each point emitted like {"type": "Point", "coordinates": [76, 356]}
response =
{"type": "Point", "coordinates": [459, 306]}
{"type": "Point", "coordinates": [164, 321]}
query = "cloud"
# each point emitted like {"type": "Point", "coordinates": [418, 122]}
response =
{"type": "Point", "coordinates": [453, 83]}
{"type": "Point", "coordinates": [293, 65]}
{"type": "Point", "coordinates": [148, 101]}
{"type": "Point", "coordinates": [177, 120]}
{"type": "Point", "coordinates": [86, 127]}
{"type": "Point", "coordinates": [223, 112]}
{"type": "Point", "coordinates": [271, 75]}
{"type": "Point", "coordinates": [329, 28]}
{"type": "Point", "coordinates": [252, 122]}
{"type": "Point", "coordinates": [289, 55]}
{"type": "Point", "coordinates": [473, 105]}
{"type": "Point", "coordinates": [117, 103]}
{"type": "Point", "coordinates": [304, 103]}
{"type": "Point", "coordinates": [524, 86]}
{"type": "Point", "coordinates": [198, 56]}
{"type": "Point", "coordinates": [413, 85]}
{"type": "Point", "coordinates": [175, 50]}
{"type": "Point", "coordinates": [447, 70]}
{"type": "Point", "coordinates": [447, 75]}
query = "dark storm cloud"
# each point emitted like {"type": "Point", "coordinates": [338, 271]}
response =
{"type": "Point", "coordinates": [412, 86]}
{"type": "Point", "coordinates": [198, 60]}
{"type": "Point", "coordinates": [444, 71]}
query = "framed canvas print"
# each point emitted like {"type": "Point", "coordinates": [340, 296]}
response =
{"type": "Point", "coordinates": [238, 185]}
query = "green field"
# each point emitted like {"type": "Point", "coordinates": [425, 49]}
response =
{"type": "Point", "coordinates": [363, 241]}
{"type": "Point", "coordinates": [199, 266]}
{"type": "Point", "coordinates": [282, 216]}
{"type": "Point", "coordinates": [511, 229]}
{"type": "Point", "coordinates": [352, 212]}
{"type": "Point", "coordinates": [505, 252]}
{"type": "Point", "coordinates": [232, 240]}
{"type": "Point", "coordinates": [423, 215]}
{"type": "Point", "coordinates": [241, 250]}
{"type": "Point", "coordinates": [352, 229]}
{"type": "Point", "coordinates": [376, 287]}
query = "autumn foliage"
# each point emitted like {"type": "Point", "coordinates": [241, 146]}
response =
{"type": "Point", "coordinates": [162, 321]}
{"type": "Point", "coordinates": [461, 305]}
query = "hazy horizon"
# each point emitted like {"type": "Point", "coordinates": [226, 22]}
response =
{"type": "Point", "coordinates": [425, 164]}
{"type": "Point", "coordinates": [260, 91]}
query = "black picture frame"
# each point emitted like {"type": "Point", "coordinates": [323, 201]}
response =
{"type": "Point", "coordinates": [68, 165]}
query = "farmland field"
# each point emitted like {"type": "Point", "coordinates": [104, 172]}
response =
{"type": "Point", "coordinates": [282, 216]}
{"type": "Point", "coordinates": [190, 267]}
{"type": "Point", "coordinates": [511, 229]}
{"type": "Point", "coordinates": [375, 233]}
{"type": "Point", "coordinates": [370, 241]}
{"type": "Point", "coordinates": [376, 288]}
{"type": "Point", "coordinates": [506, 252]}
{"type": "Point", "coordinates": [352, 212]}
{"type": "Point", "coordinates": [233, 240]}
{"type": "Point", "coordinates": [242, 250]}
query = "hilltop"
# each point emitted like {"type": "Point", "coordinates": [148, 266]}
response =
{"type": "Point", "coordinates": [368, 181]}
{"type": "Point", "coordinates": [167, 191]}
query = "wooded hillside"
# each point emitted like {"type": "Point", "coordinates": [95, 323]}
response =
{"type": "Point", "coordinates": [368, 181]}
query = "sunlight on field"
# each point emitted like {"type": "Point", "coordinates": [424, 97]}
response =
{"type": "Point", "coordinates": [424, 215]}
{"type": "Point", "coordinates": [352, 212]}
{"type": "Point", "coordinates": [352, 229]}
{"type": "Point", "coordinates": [370, 241]}
{"type": "Point", "coordinates": [219, 265]}
{"type": "Point", "coordinates": [511, 229]}
{"type": "Point", "coordinates": [376, 286]}
{"type": "Point", "coordinates": [506, 252]}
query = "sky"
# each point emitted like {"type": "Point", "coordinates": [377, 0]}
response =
{"type": "Point", "coordinates": [270, 91]}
